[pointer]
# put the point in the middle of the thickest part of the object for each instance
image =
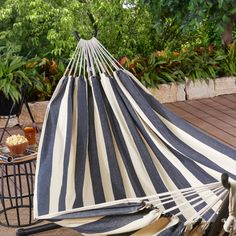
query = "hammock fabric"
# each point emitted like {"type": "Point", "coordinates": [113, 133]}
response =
{"type": "Point", "coordinates": [113, 160]}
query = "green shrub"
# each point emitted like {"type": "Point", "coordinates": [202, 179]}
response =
{"type": "Point", "coordinates": [175, 66]}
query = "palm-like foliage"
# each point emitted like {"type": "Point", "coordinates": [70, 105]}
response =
{"type": "Point", "coordinates": [12, 76]}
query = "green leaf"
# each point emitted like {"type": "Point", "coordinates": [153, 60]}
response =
{"type": "Point", "coordinates": [168, 76]}
{"type": "Point", "coordinates": [139, 66]}
{"type": "Point", "coordinates": [233, 11]}
{"type": "Point", "coordinates": [160, 63]}
{"type": "Point", "coordinates": [1, 70]}
{"type": "Point", "coordinates": [225, 19]}
{"type": "Point", "coordinates": [21, 74]}
{"type": "Point", "coordinates": [16, 64]}
{"type": "Point", "coordinates": [220, 2]}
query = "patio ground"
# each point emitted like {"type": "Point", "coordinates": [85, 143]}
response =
{"type": "Point", "coordinates": [215, 116]}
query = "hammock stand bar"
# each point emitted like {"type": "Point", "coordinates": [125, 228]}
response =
{"type": "Point", "coordinates": [215, 227]}
{"type": "Point", "coordinates": [36, 229]}
{"type": "Point", "coordinates": [76, 34]}
{"type": "Point", "coordinates": [95, 33]}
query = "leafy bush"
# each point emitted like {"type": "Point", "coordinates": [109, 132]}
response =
{"type": "Point", "coordinates": [14, 79]}
{"type": "Point", "coordinates": [46, 74]}
{"type": "Point", "coordinates": [35, 77]}
{"type": "Point", "coordinates": [175, 66]}
{"type": "Point", "coordinates": [227, 61]}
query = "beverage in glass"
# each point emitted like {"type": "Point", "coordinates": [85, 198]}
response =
{"type": "Point", "coordinates": [30, 134]}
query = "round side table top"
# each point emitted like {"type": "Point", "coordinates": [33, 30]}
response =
{"type": "Point", "coordinates": [7, 158]}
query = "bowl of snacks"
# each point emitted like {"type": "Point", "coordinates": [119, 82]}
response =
{"type": "Point", "coordinates": [17, 144]}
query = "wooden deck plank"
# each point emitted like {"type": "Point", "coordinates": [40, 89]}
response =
{"type": "Point", "coordinates": [213, 104]}
{"type": "Point", "coordinates": [214, 112]}
{"type": "Point", "coordinates": [226, 102]}
{"type": "Point", "coordinates": [215, 116]}
{"type": "Point", "coordinates": [231, 97]}
{"type": "Point", "coordinates": [191, 109]}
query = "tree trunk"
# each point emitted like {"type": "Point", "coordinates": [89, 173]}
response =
{"type": "Point", "coordinates": [227, 36]}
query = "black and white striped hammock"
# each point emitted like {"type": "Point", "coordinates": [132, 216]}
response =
{"type": "Point", "coordinates": [113, 160]}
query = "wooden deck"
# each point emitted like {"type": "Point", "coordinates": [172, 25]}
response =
{"type": "Point", "coordinates": [215, 116]}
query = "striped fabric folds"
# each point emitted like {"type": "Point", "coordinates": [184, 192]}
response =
{"type": "Point", "coordinates": [113, 160]}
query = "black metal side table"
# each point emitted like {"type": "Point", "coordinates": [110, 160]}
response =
{"type": "Point", "coordinates": [16, 189]}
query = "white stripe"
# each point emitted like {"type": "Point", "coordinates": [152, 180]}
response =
{"type": "Point", "coordinates": [139, 167]}
{"type": "Point", "coordinates": [102, 154]}
{"type": "Point", "coordinates": [187, 210]}
{"type": "Point", "coordinates": [58, 154]}
{"type": "Point", "coordinates": [35, 200]}
{"type": "Point", "coordinates": [218, 158]}
{"type": "Point", "coordinates": [137, 224]}
{"type": "Point", "coordinates": [139, 111]}
{"type": "Point", "coordinates": [129, 191]}
{"type": "Point", "coordinates": [88, 197]}
{"type": "Point", "coordinates": [192, 179]}
{"type": "Point", "coordinates": [130, 200]}
{"type": "Point", "coordinates": [215, 174]}
{"type": "Point", "coordinates": [70, 190]}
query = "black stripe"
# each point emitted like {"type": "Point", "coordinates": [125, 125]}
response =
{"type": "Point", "coordinates": [195, 169]}
{"type": "Point", "coordinates": [118, 209]}
{"type": "Point", "coordinates": [115, 175]}
{"type": "Point", "coordinates": [82, 140]}
{"type": "Point", "coordinates": [122, 146]}
{"type": "Point", "coordinates": [93, 155]}
{"type": "Point", "coordinates": [110, 223]}
{"type": "Point", "coordinates": [134, 126]}
{"type": "Point", "coordinates": [127, 159]}
{"type": "Point", "coordinates": [174, 174]}
{"type": "Point", "coordinates": [167, 205]}
{"type": "Point", "coordinates": [45, 165]}
{"type": "Point", "coordinates": [210, 212]}
{"type": "Point", "coordinates": [188, 128]}
{"type": "Point", "coordinates": [167, 134]}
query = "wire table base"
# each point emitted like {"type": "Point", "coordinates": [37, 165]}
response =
{"type": "Point", "coordinates": [16, 191]}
